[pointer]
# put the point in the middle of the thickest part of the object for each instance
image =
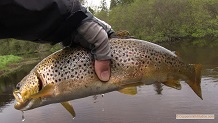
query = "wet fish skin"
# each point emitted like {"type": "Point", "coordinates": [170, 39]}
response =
{"type": "Point", "coordinates": [69, 73]}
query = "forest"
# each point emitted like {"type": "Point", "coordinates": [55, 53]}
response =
{"type": "Point", "coordinates": [164, 20]}
{"type": "Point", "coordinates": [151, 20]}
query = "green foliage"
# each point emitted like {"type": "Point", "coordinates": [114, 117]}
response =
{"type": "Point", "coordinates": [165, 20]}
{"type": "Point", "coordinates": [115, 3]}
{"type": "Point", "coordinates": [17, 47]}
{"type": "Point", "coordinates": [7, 59]}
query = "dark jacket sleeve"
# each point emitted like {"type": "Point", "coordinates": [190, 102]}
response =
{"type": "Point", "coordinates": [39, 20]}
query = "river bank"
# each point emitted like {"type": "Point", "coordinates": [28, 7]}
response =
{"type": "Point", "coordinates": [14, 67]}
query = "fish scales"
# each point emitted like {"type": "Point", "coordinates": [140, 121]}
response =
{"type": "Point", "coordinates": [69, 73]}
{"type": "Point", "coordinates": [75, 65]}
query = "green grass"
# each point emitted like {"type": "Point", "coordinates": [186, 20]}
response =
{"type": "Point", "coordinates": [8, 59]}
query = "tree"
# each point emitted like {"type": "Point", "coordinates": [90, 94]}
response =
{"type": "Point", "coordinates": [166, 20]}
{"type": "Point", "coordinates": [104, 11]}
{"type": "Point", "coordinates": [104, 6]}
{"type": "Point", "coordinates": [82, 1]}
{"type": "Point", "coordinates": [115, 3]}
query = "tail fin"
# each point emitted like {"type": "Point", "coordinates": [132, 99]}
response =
{"type": "Point", "coordinates": [195, 80]}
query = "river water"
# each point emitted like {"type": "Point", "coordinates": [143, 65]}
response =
{"type": "Point", "coordinates": [152, 103]}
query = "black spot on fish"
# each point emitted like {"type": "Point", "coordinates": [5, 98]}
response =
{"type": "Point", "coordinates": [148, 62]}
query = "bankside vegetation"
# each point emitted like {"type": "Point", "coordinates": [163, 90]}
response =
{"type": "Point", "coordinates": [19, 47]}
{"type": "Point", "coordinates": [152, 20]}
{"type": "Point", "coordinates": [164, 20]}
{"type": "Point", "coordinates": [7, 59]}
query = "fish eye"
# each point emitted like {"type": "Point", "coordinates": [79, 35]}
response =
{"type": "Point", "coordinates": [18, 86]}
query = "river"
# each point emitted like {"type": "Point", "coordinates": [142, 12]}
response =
{"type": "Point", "coordinates": [152, 103]}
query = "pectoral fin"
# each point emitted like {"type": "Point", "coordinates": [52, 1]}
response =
{"type": "Point", "coordinates": [69, 108]}
{"type": "Point", "coordinates": [173, 84]}
{"type": "Point", "coordinates": [46, 91]}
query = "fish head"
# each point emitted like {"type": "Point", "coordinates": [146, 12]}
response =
{"type": "Point", "coordinates": [29, 85]}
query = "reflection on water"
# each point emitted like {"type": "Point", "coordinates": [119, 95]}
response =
{"type": "Point", "coordinates": [158, 87]}
{"type": "Point", "coordinates": [192, 54]}
{"type": "Point", "coordinates": [152, 103]}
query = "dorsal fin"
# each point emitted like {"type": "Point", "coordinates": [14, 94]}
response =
{"type": "Point", "coordinates": [121, 34]}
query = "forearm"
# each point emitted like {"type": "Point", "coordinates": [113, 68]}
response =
{"type": "Point", "coordinates": [37, 20]}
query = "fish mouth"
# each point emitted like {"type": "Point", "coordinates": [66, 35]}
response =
{"type": "Point", "coordinates": [21, 104]}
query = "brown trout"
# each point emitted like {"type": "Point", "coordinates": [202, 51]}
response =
{"type": "Point", "coordinates": [69, 73]}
